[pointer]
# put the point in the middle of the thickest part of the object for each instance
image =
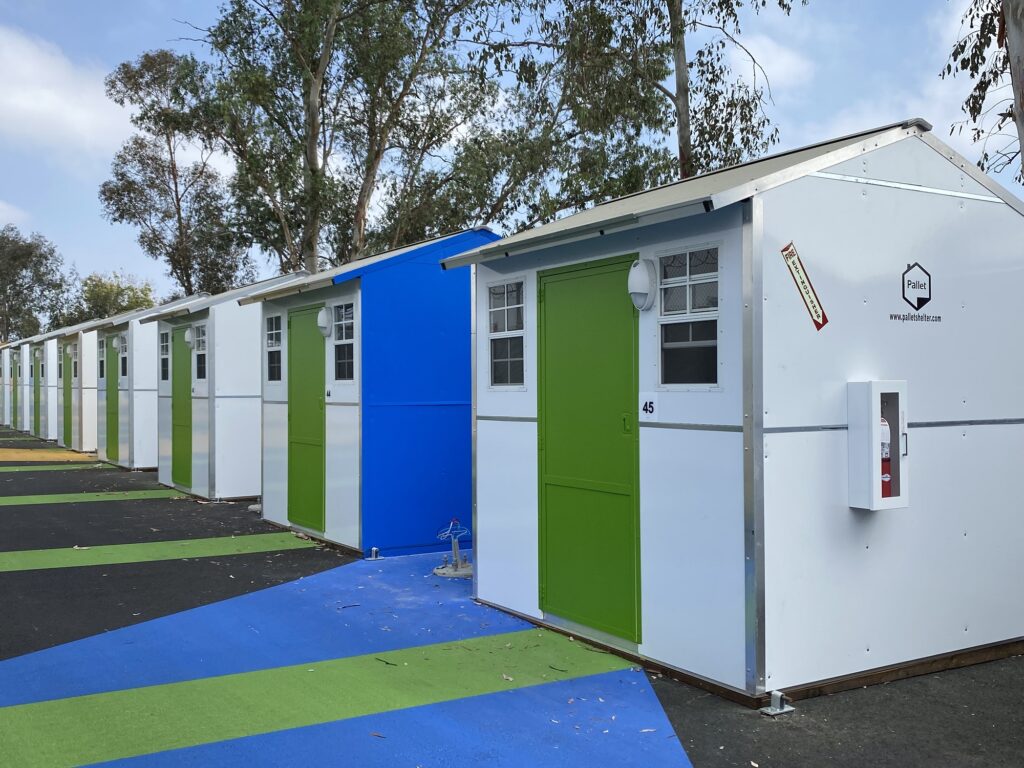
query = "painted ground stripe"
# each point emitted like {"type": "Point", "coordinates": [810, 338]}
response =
{"type": "Point", "coordinates": [77, 498]}
{"type": "Point", "coordinates": [47, 456]}
{"type": "Point", "coordinates": [54, 467]}
{"type": "Point", "coordinates": [142, 721]}
{"type": "Point", "coordinates": [119, 554]}
{"type": "Point", "coordinates": [610, 719]}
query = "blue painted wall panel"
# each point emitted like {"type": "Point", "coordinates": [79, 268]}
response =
{"type": "Point", "coordinates": [416, 396]}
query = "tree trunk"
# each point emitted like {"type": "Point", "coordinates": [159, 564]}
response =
{"type": "Point", "coordinates": [681, 102]}
{"type": "Point", "coordinates": [1013, 17]}
{"type": "Point", "coordinates": [311, 178]}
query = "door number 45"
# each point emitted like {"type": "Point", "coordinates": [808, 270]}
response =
{"type": "Point", "coordinates": [647, 407]}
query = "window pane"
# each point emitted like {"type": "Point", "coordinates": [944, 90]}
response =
{"type": "Point", "coordinates": [513, 294]}
{"type": "Point", "coordinates": [515, 319]}
{"type": "Point", "coordinates": [124, 366]}
{"type": "Point", "coordinates": [704, 331]}
{"type": "Point", "coordinates": [274, 365]}
{"type": "Point", "coordinates": [703, 296]}
{"type": "Point", "coordinates": [497, 320]}
{"type": "Point", "coordinates": [673, 267]}
{"type": "Point", "coordinates": [703, 262]}
{"type": "Point", "coordinates": [673, 299]}
{"type": "Point", "coordinates": [689, 353]}
{"type": "Point", "coordinates": [101, 369]}
{"type": "Point", "coordinates": [515, 347]}
{"type": "Point", "coordinates": [344, 368]}
{"type": "Point", "coordinates": [515, 372]}
{"type": "Point", "coordinates": [165, 369]}
{"type": "Point", "coordinates": [499, 349]}
{"type": "Point", "coordinates": [499, 372]}
{"type": "Point", "coordinates": [200, 366]}
{"type": "Point", "coordinates": [497, 296]}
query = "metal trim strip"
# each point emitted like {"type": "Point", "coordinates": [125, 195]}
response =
{"type": "Point", "coordinates": [694, 427]}
{"type": "Point", "coordinates": [900, 185]}
{"type": "Point", "coordinates": [478, 417]}
{"type": "Point", "coordinates": [911, 424]}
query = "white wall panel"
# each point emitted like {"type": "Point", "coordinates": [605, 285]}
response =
{"type": "Point", "coordinates": [342, 500]}
{"type": "Point", "coordinates": [275, 462]}
{"type": "Point", "coordinates": [164, 440]}
{"type": "Point", "coordinates": [506, 536]}
{"type": "Point", "coordinates": [200, 446]}
{"type": "Point", "coordinates": [855, 242]}
{"type": "Point", "coordinates": [52, 389]}
{"type": "Point", "coordinates": [236, 447]}
{"type": "Point", "coordinates": [145, 440]}
{"type": "Point", "coordinates": [848, 590]}
{"type": "Point", "coordinates": [691, 550]}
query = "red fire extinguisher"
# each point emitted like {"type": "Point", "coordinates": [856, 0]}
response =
{"type": "Point", "coordinates": [886, 462]}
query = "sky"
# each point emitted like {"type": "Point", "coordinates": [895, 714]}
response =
{"type": "Point", "coordinates": [835, 67]}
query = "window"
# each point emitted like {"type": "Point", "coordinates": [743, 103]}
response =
{"type": "Point", "coordinates": [101, 369]}
{"type": "Point", "coordinates": [274, 348]}
{"type": "Point", "coordinates": [74, 361]}
{"type": "Point", "coordinates": [344, 342]}
{"type": "Point", "coordinates": [165, 356]}
{"type": "Point", "coordinates": [505, 309]}
{"type": "Point", "coordinates": [124, 356]}
{"type": "Point", "coordinates": [42, 370]}
{"type": "Point", "coordinates": [199, 337]}
{"type": "Point", "coordinates": [688, 284]}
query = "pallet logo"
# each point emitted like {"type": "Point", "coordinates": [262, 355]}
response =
{"type": "Point", "coordinates": [917, 286]}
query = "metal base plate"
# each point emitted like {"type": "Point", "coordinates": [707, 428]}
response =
{"type": "Point", "coordinates": [464, 571]}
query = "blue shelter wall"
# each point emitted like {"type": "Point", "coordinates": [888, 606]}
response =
{"type": "Point", "coordinates": [416, 396]}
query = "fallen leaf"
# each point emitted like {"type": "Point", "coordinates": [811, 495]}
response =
{"type": "Point", "coordinates": [378, 735]}
{"type": "Point", "coordinates": [753, 764]}
{"type": "Point", "coordinates": [507, 677]}
{"type": "Point", "coordinates": [78, 547]}
{"type": "Point", "coordinates": [647, 730]}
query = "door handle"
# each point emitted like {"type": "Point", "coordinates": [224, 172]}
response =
{"type": "Point", "coordinates": [627, 423]}
{"type": "Point", "coordinates": [906, 443]}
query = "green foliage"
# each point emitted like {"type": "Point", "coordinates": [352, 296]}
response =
{"type": "Point", "coordinates": [981, 54]}
{"type": "Point", "coordinates": [180, 205]}
{"type": "Point", "coordinates": [32, 283]}
{"type": "Point", "coordinates": [100, 296]}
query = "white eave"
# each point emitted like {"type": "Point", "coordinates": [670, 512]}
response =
{"type": "Point", "coordinates": [201, 303]}
{"type": "Point", "coordinates": [718, 189]}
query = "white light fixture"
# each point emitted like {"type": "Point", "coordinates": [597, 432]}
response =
{"type": "Point", "coordinates": [323, 322]}
{"type": "Point", "coordinates": [641, 284]}
{"type": "Point", "coordinates": [190, 338]}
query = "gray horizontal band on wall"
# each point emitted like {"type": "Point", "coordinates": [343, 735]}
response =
{"type": "Point", "coordinates": [910, 425]}
{"type": "Point", "coordinates": [506, 418]}
{"type": "Point", "coordinates": [693, 427]}
{"type": "Point", "coordinates": [964, 423]}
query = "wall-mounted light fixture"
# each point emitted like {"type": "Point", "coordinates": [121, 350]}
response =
{"type": "Point", "coordinates": [323, 321]}
{"type": "Point", "coordinates": [642, 284]}
{"type": "Point", "coordinates": [190, 338]}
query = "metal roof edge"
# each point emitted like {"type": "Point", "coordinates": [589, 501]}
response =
{"type": "Point", "coordinates": [879, 138]}
{"type": "Point", "coordinates": [972, 170]}
{"type": "Point", "coordinates": [207, 301]}
{"type": "Point", "coordinates": [891, 133]}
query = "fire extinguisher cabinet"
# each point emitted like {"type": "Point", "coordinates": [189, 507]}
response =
{"type": "Point", "coordinates": [878, 445]}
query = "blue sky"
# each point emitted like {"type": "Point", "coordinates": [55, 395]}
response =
{"type": "Point", "coordinates": [835, 67]}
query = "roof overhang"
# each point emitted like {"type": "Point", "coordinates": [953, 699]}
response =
{"type": "Point", "coordinates": [847, 147]}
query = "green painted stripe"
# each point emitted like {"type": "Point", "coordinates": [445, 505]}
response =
{"type": "Point", "coordinates": [52, 467]}
{"type": "Point", "coordinates": [150, 551]}
{"type": "Point", "coordinates": [139, 721]}
{"type": "Point", "coordinates": [75, 498]}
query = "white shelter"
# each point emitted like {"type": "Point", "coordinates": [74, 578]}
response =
{"type": "Point", "coordinates": [740, 426]}
{"type": "Point", "coordinates": [75, 350]}
{"type": "Point", "coordinates": [209, 387]}
{"type": "Point", "coordinates": [128, 369]}
{"type": "Point", "coordinates": [5, 385]}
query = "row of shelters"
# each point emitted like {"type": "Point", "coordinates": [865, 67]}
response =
{"type": "Point", "coordinates": [738, 426]}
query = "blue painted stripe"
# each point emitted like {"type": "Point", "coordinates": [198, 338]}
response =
{"type": "Point", "coordinates": [365, 607]}
{"type": "Point", "coordinates": [610, 719]}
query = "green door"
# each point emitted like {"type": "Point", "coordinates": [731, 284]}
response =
{"type": "Point", "coordinates": [67, 395]}
{"type": "Point", "coordinates": [14, 391]}
{"type": "Point", "coordinates": [588, 447]}
{"type": "Point", "coordinates": [36, 392]}
{"type": "Point", "coordinates": [306, 423]}
{"type": "Point", "coordinates": [181, 410]}
{"type": "Point", "coordinates": [112, 371]}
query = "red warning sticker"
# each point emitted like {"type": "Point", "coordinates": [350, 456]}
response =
{"type": "Point", "coordinates": [805, 286]}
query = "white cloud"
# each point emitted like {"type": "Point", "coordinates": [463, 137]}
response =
{"type": "Point", "coordinates": [51, 103]}
{"type": "Point", "coordinates": [12, 214]}
{"type": "Point", "coordinates": [787, 68]}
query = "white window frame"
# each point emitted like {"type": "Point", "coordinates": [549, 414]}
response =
{"type": "Point", "coordinates": [677, 317]}
{"type": "Point", "coordinates": [101, 360]}
{"type": "Point", "coordinates": [74, 361]}
{"type": "Point", "coordinates": [164, 347]}
{"type": "Point", "coordinates": [273, 345]}
{"type": "Point", "coordinates": [486, 301]}
{"type": "Point", "coordinates": [199, 348]}
{"type": "Point", "coordinates": [349, 342]}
